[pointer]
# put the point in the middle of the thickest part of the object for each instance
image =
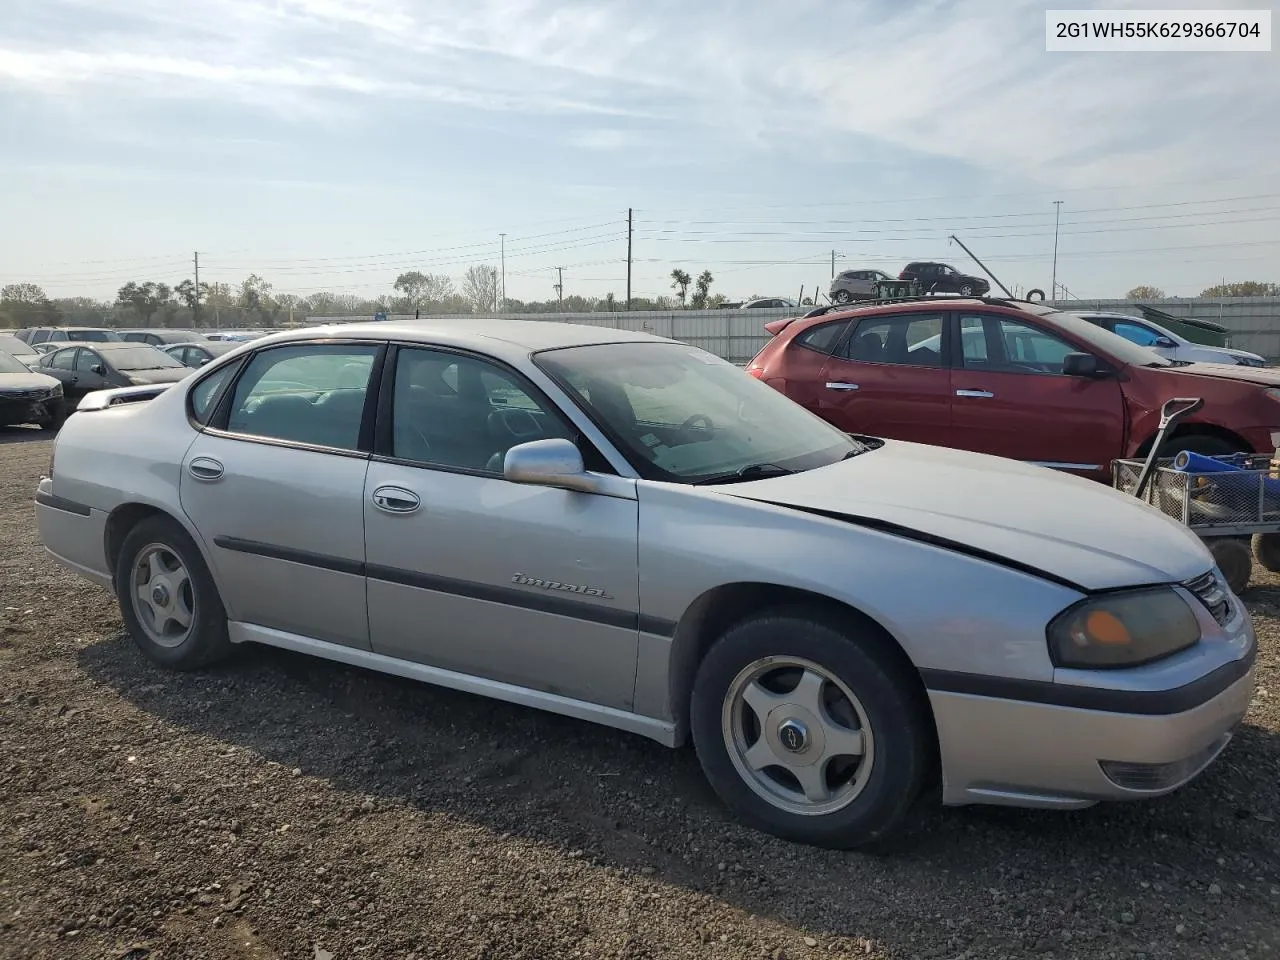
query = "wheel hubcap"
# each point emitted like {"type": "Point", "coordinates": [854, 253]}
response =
{"type": "Point", "coordinates": [163, 596]}
{"type": "Point", "coordinates": [797, 735]}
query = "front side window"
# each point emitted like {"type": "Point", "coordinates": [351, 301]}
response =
{"type": "Point", "coordinates": [1001, 344]}
{"type": "Point", "coordinates": [464, 413]}
{"type": "Point", "coordinates": [680, 414]}
{"type": "Point", "coordinates": [913, 339]}
{"type": "Point", "coordinates": [87, 360]}
{"type": "Point", "coordinates": [309, 393]}
{"type": "Point", "coordinates": [1136, 333]}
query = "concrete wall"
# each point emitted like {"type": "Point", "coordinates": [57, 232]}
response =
{"type": "Point", "coordinates": [738, 335]}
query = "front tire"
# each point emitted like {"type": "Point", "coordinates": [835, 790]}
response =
{"type": "Point", "coordinates": [966, 290]}
{"type": "Point", "coordinates": [807, 728]}
{"type": "Point", "coordinates": [1234, 559]}
{"type": "Point", "coordinates": [167, 596]}
{"type": "Point", "coordinates": [1266, 550]}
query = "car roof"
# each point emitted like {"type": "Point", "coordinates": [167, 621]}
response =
{"type": "Point", "coordinates": [528, 335]}
{"type": "Point", "coordinates": [103, 344]}
{"type": "Point", "coordinates": [915, 304]}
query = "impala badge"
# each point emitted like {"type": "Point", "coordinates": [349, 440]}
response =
{"type": "Point", "coordinates": [524, 581]}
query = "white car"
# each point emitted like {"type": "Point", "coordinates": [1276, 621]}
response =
{"type": "Point", "coordinates": [629, 530]}
{"type": "Point", "coordinates": [1168, 344]}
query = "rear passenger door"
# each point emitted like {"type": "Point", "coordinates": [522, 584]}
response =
{"type": "Point", "coordinates": [888, 378]}
{"type": "Point", "coordinates": [468, 572]}
{"type": "Point", "coordinates": [274, 485]}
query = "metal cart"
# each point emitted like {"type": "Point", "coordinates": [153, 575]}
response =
{"type": "Point", "coordinates": [1231, 502]}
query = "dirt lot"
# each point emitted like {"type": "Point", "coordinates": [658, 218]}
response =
{"type": "Point", "coordinates": [280, 807]}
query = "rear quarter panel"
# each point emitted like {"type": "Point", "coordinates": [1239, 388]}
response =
{"type": "Point", "coordinates": [131, 453]}
{"type": "Point", "coordinates": [947, 611]}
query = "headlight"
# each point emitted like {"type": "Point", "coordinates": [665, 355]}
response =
{"type": "Point", "coordinates": [57, 390]}
{"type": "Point", "coordinates": [1122, 630]}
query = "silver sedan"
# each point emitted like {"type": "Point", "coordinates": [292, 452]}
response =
{"type": "Point", "coordinates": [628, 530]}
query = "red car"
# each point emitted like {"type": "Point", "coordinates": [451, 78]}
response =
{"type": "Point", "coordinates": [1010, 378]}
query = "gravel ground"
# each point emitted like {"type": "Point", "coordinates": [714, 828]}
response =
{"type": "Point", "coordinates": [281, 807]}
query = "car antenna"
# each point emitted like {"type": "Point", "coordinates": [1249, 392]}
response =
{"type": "Point", "coordinates": [984, 267]}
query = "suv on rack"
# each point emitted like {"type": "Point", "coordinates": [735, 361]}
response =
{"type": "Point", "coordinates": [1011, 378]}
{"type": "Point", "coordinates": [944, 278]}
{"type": "Point", "coordinates": [851, 285]}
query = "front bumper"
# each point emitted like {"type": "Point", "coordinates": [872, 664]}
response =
{"type": "Point", "coordinates": [1035, 754]}
{"type": "Point", "coordinates": [22, 410]}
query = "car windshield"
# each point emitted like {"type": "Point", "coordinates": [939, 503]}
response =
{"type": "Point", "coordinates": [11, 364]}
{"type": "Point", "coordinates": [139, 358]}
{"type": "Point", "coordinates": [15, 347]}
{"type": "Point", "coordinates": [1106, 341]}
{"type": "Point", "coordinates": [680, 414]}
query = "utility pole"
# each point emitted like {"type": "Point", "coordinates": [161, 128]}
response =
{"type": "Point", "coordinates": [630, 224]}
{"type": "Point", "coordinates": [560, 287]}
{"type": "Point", "coordinates": [502, 304]}
{"type": "Point", "coordinates": [1057, 213]}
{"type": "Point", "coordinates": [195, 310]}
{"type": "Point", "coordinates": [833, 264]}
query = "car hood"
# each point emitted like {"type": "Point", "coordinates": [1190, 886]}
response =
{"type": "Point", "coordinates": [1050, 523]}
{"type": "Point", "coordinates": [1263, 376]}
{"type": "Point", "coordinates": [26, 381]}
{"type": "Point", "coordinates": [163, 375]}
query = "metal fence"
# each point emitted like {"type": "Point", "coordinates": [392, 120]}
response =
{"type": "Point", "coordinates": [738, 335]}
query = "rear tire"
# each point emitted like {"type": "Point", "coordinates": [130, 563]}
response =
{"type": "Point", "coordinates": [1207, 446]}
{"type": "Point", "coordinates": [1266, 550]}
{"type": "Point", "coordinates": [842, 297]}
{"type": "Point", "coordinates": [167, 596]}
{"type": "Point", "coordinates": [1234, 560]}
{"type": "Point", "coordinates": [808, 729]}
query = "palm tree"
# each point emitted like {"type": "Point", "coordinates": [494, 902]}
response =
{"type": "Point", "coordinates": [702, 289]}
{"type": "Point", "coordinates": [680, 283]}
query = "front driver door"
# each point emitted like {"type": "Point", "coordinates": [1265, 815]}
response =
{"type": "Point", "coordinates": [468, 572]}
{"type": "Point", "coordinates": [1011, 399]}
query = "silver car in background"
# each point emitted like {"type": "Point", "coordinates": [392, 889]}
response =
{"type": "Point", "coordinates": [1170, 345]}
{"type": "Point", "coordinates": [628, 530]}
{"type": "Point", "coordinates": [849, 286]}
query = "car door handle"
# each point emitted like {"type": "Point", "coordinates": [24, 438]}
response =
{"type": "Point", "coordinates": [396, 500]}
{"type": "Point", "coordinates": [982, 394]}
{"type": "Point", "coordinates": [205, 468]}
{"type": "Point", "coordinates": [837, 385]}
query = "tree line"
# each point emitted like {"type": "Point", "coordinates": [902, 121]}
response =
{"type": "Point", "coordinates": [1245, 288]}
{"type": "Point", "coordinates": [254, 302]}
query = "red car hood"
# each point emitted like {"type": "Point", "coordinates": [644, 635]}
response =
{"type": "Point", "coordinates": [1263, 376]}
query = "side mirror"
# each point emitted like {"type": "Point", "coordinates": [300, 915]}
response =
{"type": "Point", "coordinates": [202, 361]}
{"type": "Point", "coordinates": [548, 463]}
{"type": "Point", "coordinates": [1164, 342]}
{"type": "Point", "coordinates": [99, 369]}
{"type": "Point", "coordinates": [1081, 365]}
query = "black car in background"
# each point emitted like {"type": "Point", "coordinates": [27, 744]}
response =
{"type": "Point", "coordinates": [28, 396]}
{"type": "Point", "coordinates": [944, 278]}
{"type": "Point", "coordinates": [85, 367]}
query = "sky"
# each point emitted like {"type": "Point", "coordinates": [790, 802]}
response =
{"type": "Point", "coordinates": [333, 144]}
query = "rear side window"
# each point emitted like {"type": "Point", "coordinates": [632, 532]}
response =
{"type": "Point", "coordinates": [1136, 333]}
{"type": "Point", "coordinates": [823, 337]}
{"type": "Point", "coordinates": [63, 360]}
{"type": "Point", "coordinates": [912, 339]}
{"type": "Point", "coordinates": [311, 393]}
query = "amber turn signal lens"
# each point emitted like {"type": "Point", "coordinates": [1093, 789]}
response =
{"type": "Point", "coordinates": [1105, 627]}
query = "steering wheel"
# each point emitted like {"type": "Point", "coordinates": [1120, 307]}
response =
{"type": "Point", "coordinates": [707, 425]}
